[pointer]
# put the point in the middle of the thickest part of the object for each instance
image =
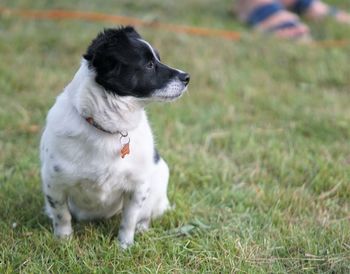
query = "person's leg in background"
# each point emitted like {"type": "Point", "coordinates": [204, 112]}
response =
{"type": "Point", "coordinates": [270, 16]}
{"type": "Point", "coordinates": [281, 17]}
{"type": "Point", "coordinates": [316, 10]}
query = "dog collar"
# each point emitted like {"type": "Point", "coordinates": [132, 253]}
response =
{"type": "Point", "coordinates": [124, 137]}
{"type": "Point", "coordinates": [92, 122]}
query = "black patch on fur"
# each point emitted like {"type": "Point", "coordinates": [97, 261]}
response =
{"type": "Point", "coordinates": [126, 66]}
{"type": "Point", "coordinates": [143, 198]}
{"type": "Point", "coordinates": [59, 216]}
{"type": "Point", "coordinates": [51, 201]}
{"type": "Point", "coordinates": [57, 168]}
{"type": "Point", "coordinates": [156, 156]}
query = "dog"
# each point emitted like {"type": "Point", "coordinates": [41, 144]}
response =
{"type": "Point", "coordinates": [97, 151]}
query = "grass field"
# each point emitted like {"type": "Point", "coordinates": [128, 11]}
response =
{"type": "Point", "coordinates": [259, 148]}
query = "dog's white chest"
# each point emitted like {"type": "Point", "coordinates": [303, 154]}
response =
{"type": "Point", "coordinates": [89, 195]}
{"type": "Point", "coordinates": [99, 191]}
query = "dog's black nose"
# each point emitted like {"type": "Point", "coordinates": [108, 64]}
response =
{"type": "Point", "coordinates": [184, 78]}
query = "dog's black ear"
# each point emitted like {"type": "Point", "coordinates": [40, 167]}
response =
{"type": "Point", "coordinates": [111, 40]}
{"type": "Point", "coordinates": [131, 32]}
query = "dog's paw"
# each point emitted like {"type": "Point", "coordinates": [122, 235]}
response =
{"type": "Point", "coordinates": [124, 244]}
{"type": "Point", "coordinates": [125, 238]}
{"type": "Point", "coordinates": [63, 232]}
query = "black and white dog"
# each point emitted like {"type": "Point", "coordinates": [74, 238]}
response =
{"type": "Point", "coordinates": [97, 151]}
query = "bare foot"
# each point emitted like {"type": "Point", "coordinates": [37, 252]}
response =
{"type": "Point", "coordinates": [320, 10]}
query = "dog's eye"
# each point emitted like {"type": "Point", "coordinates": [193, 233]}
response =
{"type": "Point", "coordinates": [150, 65]}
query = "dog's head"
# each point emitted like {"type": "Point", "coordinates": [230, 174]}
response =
{"type": "Point", "coordinates": [127, 65]}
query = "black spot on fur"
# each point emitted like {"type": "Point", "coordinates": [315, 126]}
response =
{"type": "Point", "coordinates": [51, 201]}
{"type": "Point", "coordinates": [156, 156]}
{"type": "Point", "coordinates": [57, 168]}
{"type": "Point", "coordinates": [55, 224]}
{"type": "Point", "coordinates": [59, 216]}
{"type": "Point", "coordinates": [48, 186]}
{"type": "Point", "coordinates": [143, 198]}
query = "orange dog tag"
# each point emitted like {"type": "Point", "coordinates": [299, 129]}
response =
{"type": "Point", "coordinates": [125, 150]}
{"type": "Point", "coordinates": [125, 142]}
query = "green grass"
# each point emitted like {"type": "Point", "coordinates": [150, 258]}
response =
{"type": "Point", "coordinates": [259, 148]}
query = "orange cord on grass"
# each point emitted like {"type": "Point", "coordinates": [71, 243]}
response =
{"type": "Point", "coordinates": [101, 17]}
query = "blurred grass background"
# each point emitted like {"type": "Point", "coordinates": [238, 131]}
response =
{"type": "Point", "coordinates": [258, 148]}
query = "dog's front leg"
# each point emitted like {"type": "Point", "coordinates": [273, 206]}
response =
{"type": "Point", "coordinates": [57, 209]}
{"type": "Point", "coordinates": [132, 207]}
